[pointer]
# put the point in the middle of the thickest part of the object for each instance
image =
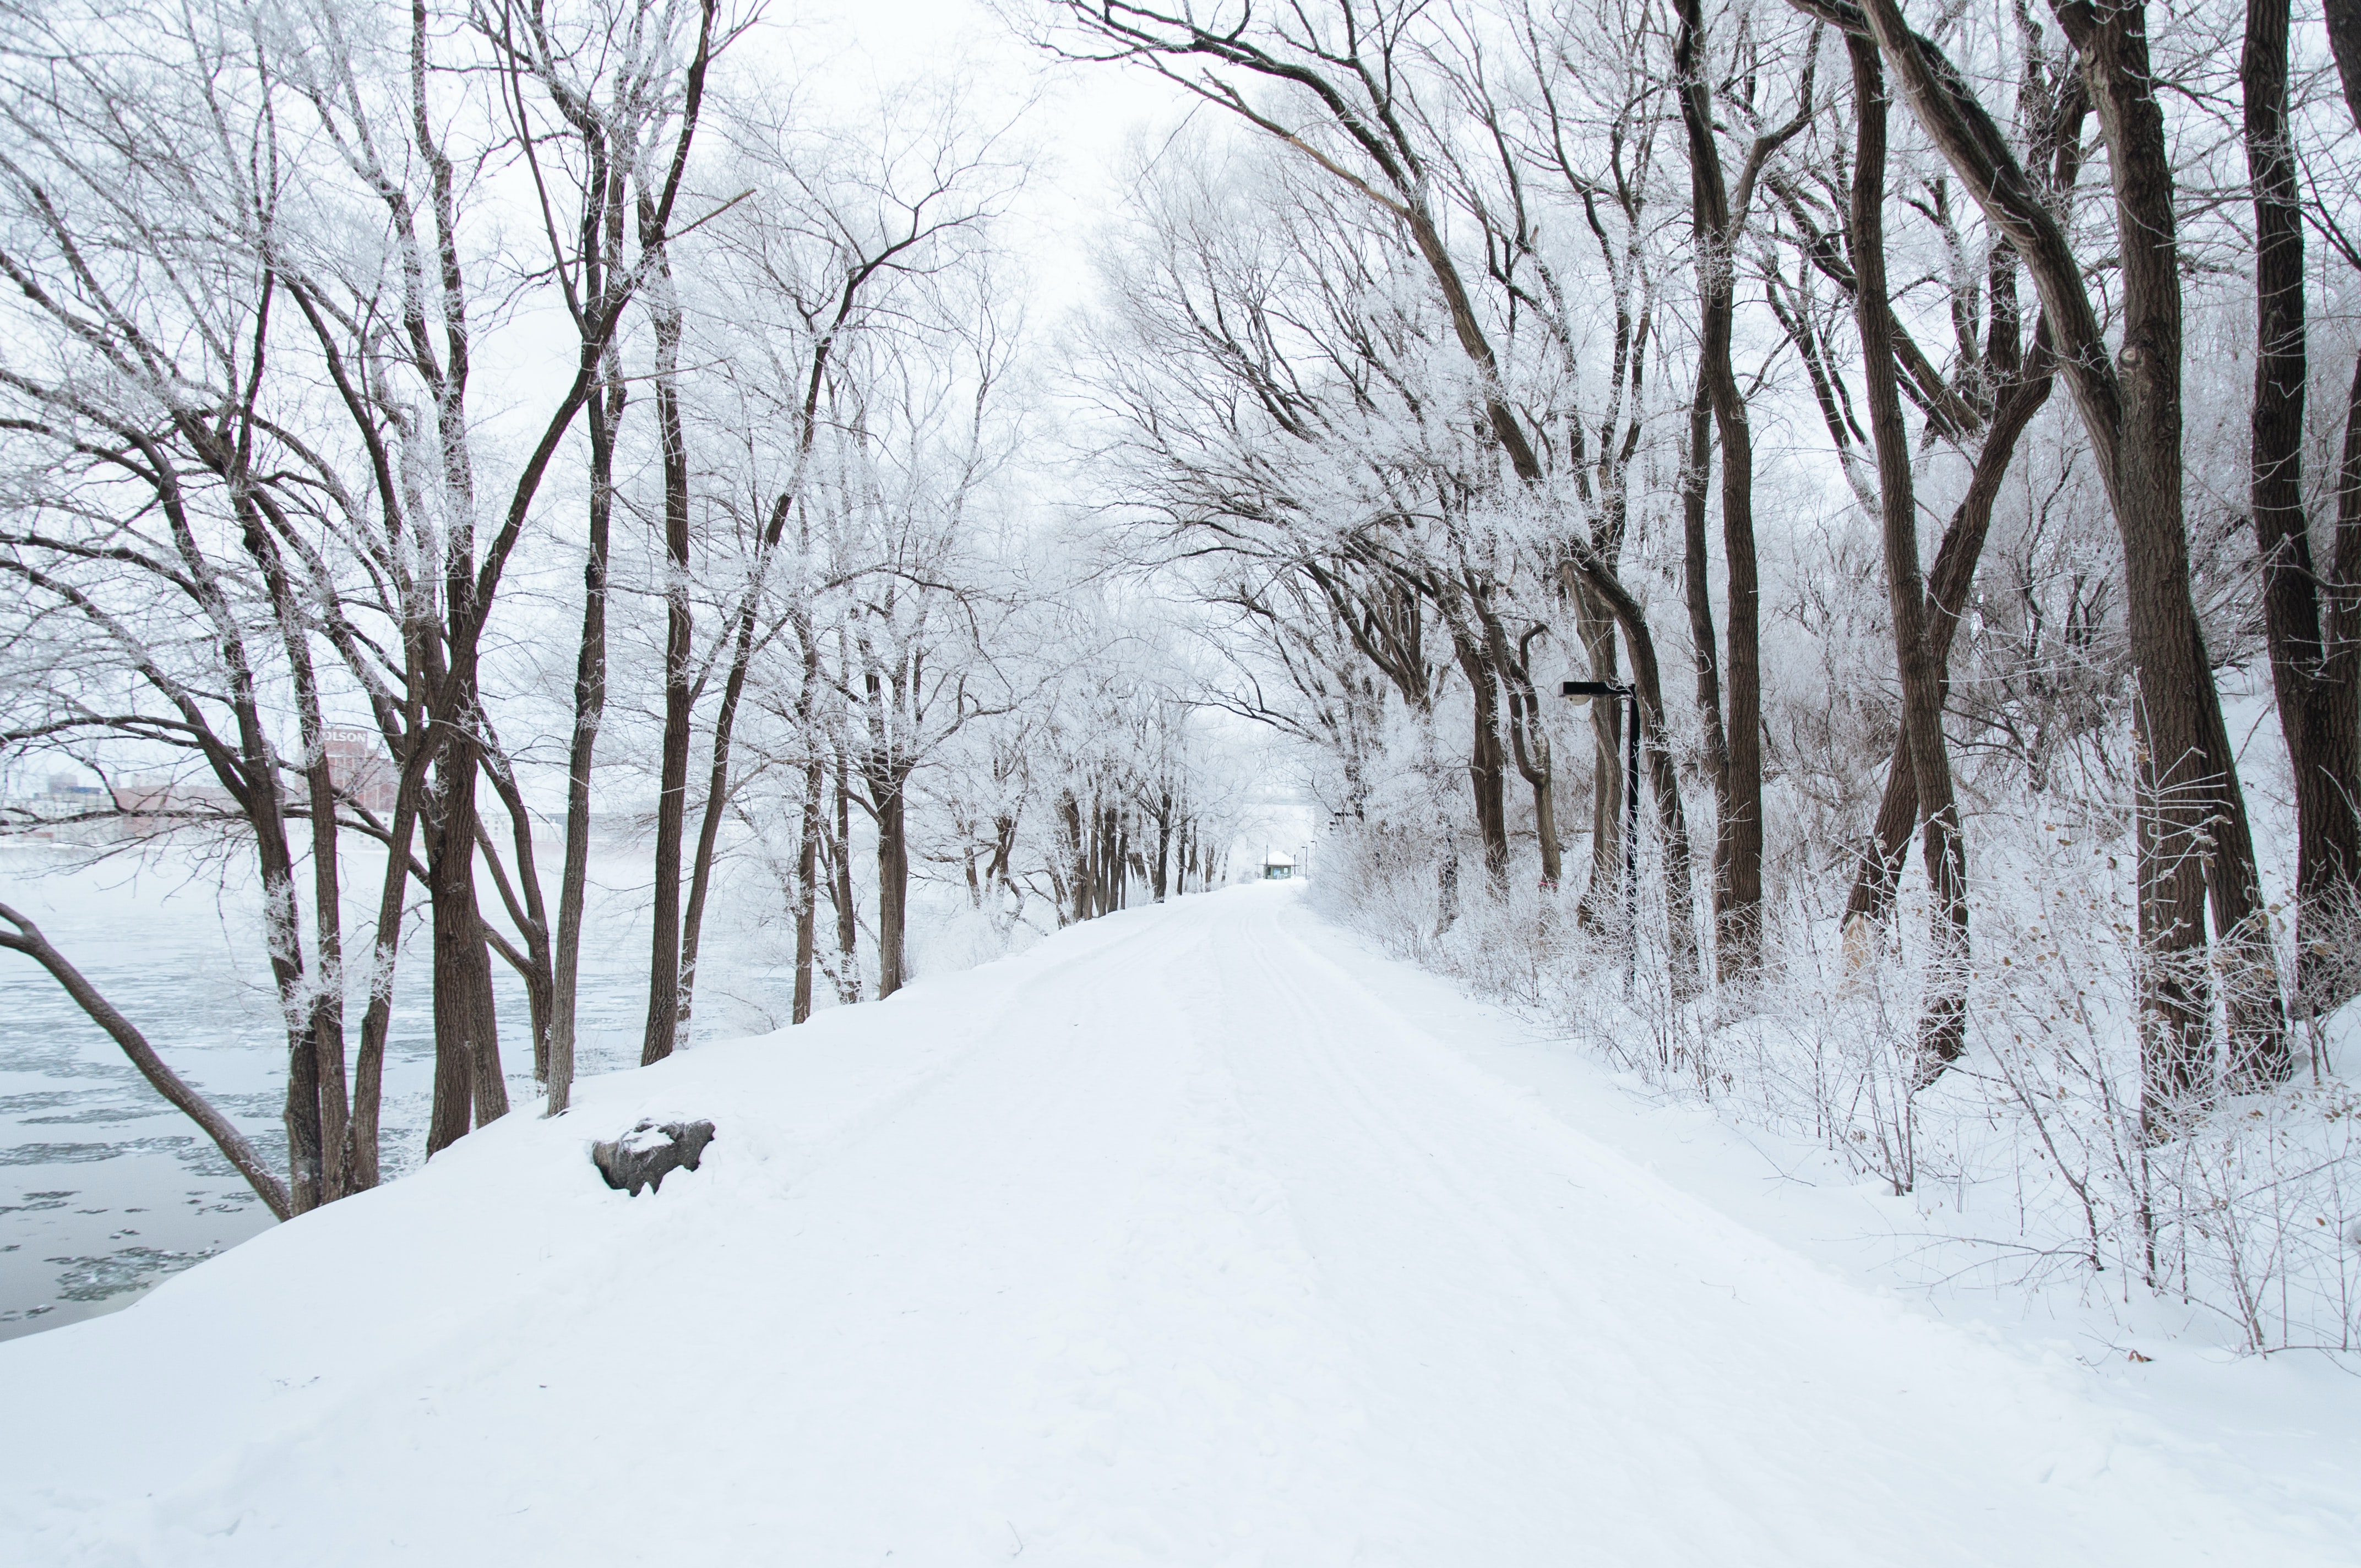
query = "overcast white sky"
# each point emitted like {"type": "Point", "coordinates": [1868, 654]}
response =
{"type": "Point", "coordinates": [1080, 119]}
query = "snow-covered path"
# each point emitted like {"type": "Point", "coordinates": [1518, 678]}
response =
{"type": "Point", "coordinates": [1167, 1243]}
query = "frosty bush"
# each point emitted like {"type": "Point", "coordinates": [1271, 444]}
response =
{"type": "Point", "coordinates": [2250, 1214]}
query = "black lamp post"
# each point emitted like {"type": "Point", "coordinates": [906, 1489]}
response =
{"type": "Point", "coordinates": [1583, 691]}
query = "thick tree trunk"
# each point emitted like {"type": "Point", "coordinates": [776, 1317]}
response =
{"type": "Point", "coordinates": [1738, 826]}
{"type": "Point", "coordinates": [1942, 1033]}
{"type": "Point", "coordinates": [604, 413]}
{"type": "Point", "coordinates": [1074, 905]}
{"type": "Point", "coordinates": [1538, 778]}
{"type": "Point", "coordinates": [672, 790]}
{"type": "Point", "coordinates": [1696, 582]}
{"type": "Point", "coordinates": [2194, 833]}
{"type": "Point", "coordinates": [328, 1090]}
{"type": "Point", "coordinates": [1163, 843]}
{"type": "Point", "coordinates": [808, 889]}
{"type": "Point", "coordinates": [2194, 842]}
{"type": "Point", "coordinates": [1487, 763]}
{"type": "Point", "coordinates": [848, 922]}
{"type": "Point", "coordinates": [362, 1148]}
{"type": "Point", "coordinates": [1528, 745]}
{"type": "Point", "coordinates": [892, 878]}
{"type": "Point", "coordinates": [2344, 44]}
{"type": "Point", "coordinates": [1602, 888]}
{"type": "Point", "coordinates": [260, 794]}
{"type": "Point", "coordinates": [2320, 743]}
{"type": "Point", "coordinates": [807, 830]}
{"type": "Point", "coordinates": [468, 1088]}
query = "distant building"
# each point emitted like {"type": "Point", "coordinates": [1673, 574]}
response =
{"type": "Point", "coordinates": [361, 772]}
{"type": "Point", "coordinates": [146, 801]}
{"type": "Point", "coordinates": [1278, 867]}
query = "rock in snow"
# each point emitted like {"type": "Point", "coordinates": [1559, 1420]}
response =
{"type": "Point", "coordinates": [645, 1155]}
{"type": "Point", "coordinates": [1194, 1236]}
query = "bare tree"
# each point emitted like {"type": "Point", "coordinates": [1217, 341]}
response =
{"type": "Point", "coordinates": [2194, 840]}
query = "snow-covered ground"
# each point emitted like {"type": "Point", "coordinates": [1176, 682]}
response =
{"type": "Point", "coordinates": [1194, 1236]}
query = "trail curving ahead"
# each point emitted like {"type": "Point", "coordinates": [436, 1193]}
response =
{"type": "Point", "coordinates": [1170, 1242]}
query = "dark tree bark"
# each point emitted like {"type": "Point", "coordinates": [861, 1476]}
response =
{"type": "Point", "coordinates": [1738, 824]}
{"type": "Point", "coordinates": [1697, 586]}
{"type": "Point", "coordinates": [889, 798]}
{"type": "Point", "coordinates": [1528, 745]}
{"type": "Point", "coordinates": [521, 897]}
{"type": "Point", "coordinates": [2195, 846]}
{"type": "Point", "coordinates": [2344, 44]}
{"type": "Point", "coordinates": [469, 1090]}
{"type": "Point", "coordinates": [1072, 904]}
{"type": "Point", "coordinates": [2013, 387]}
{"type": "Point", "coordinates": [672, 790]}
{"type": "Point", "coordinates": [1159, 871]}
{"type": "Point", "coordinates": [808, 827]}
{"type": "Point", "coordinates": [2315, 707]}
{"type": "Point", "coordinates": [605, 414]}
{"type": "Point", "coordinates": [362, 1147]}
{"type": "Point", "coordinates": [1487, 763]}
{"type": "Point", "coordinates": [1602, 887]}
{"type": "Point", "coordinates": [1942, 1031]}
{"type": "Point", "coordinates": [848, 921]}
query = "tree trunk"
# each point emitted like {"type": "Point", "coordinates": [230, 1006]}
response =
{"type": "Point", "coordinates": [672, 790]}
{"type": "Point", "coordinates": [604, 411]}
{"type": "Point", "coordinates": [1487, 763]}
{"type": "Point", "coordinates": [847, 924]}
{"type": "Point", "coordinates": [362, 1149]}
{"type": "Point", "coordinates": [2193, 826]}
{"type": "Point", "coordinates": [2321, 746]}
{"type": "Point", "coordinates": [2194, 843]}
{"type": "Point", "coordinates": [1163, 843]}
{"type": "Point", "coordinates": [709, 829]}
{"type": "Point", "coordinates": [2344, 44]}
{"type": "Point", "coordinates": [1528, 745]}
{"type": "Point", "coordinates": [330, 1120]}
{"type": "Point", "coordinates": [1696, 582]}
{"type": "Point", "coordinates": [1602, 889]}
{"type": "Point", "coordinates": [1738, 826]}
{"type": "Point", "coordinates": [522, 897]}
{"type": "Point", "coordinates": [892, 878]}
{"type": "Point", "coordinates": [468, 1088]}
{"type": "Point", "coordinates": [807, 830]}
{"type": "Point", "coordinates": [1942, 1031]}
{"type": "Point", "coordinates": [1538, 776]}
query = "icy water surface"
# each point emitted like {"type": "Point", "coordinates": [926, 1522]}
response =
{"type": "Point", "coordinates": [105, 1189]}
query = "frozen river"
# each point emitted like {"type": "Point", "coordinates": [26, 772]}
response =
{"type": "Point", "coordinates": [104, 1188]}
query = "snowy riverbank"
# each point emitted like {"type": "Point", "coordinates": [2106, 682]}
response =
{"type": "Point", "coordinates": [1194, 1236]}
{"type": "Point", "coordinates": [105, 1190]}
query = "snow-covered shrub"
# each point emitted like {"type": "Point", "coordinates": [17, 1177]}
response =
{"type": "Point", "coordinates": [2248, 1212]}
